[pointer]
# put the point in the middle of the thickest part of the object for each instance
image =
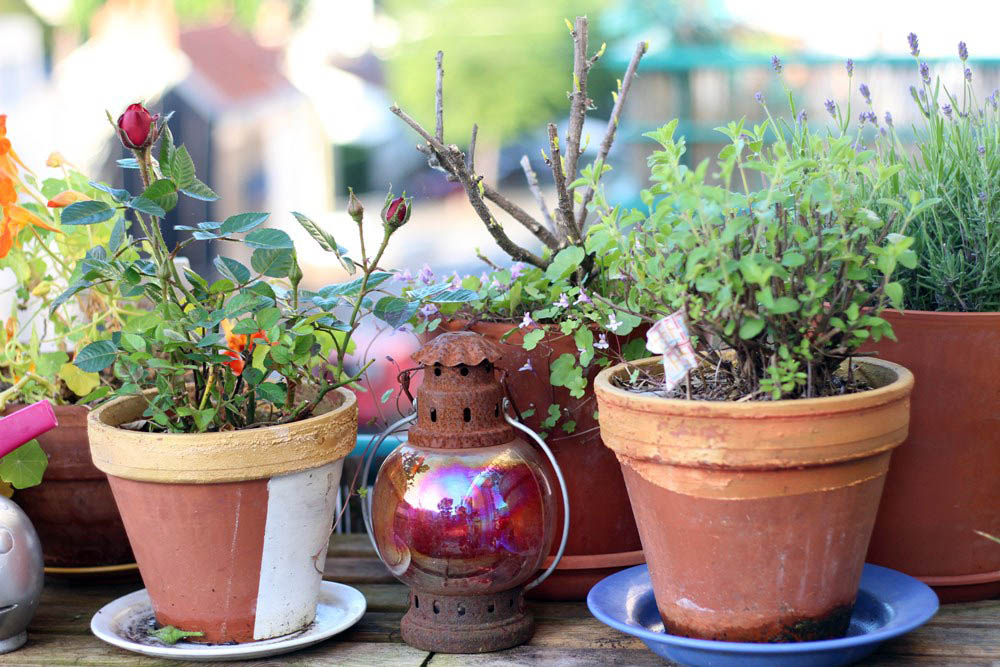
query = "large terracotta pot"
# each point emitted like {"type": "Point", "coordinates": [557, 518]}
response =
{"type": "Point", "coordinates": [755, 517]}
{"type": "Point", "coordinates": [602, 536]}
{"type": "Point", "coordinates": [73, 510]}
{"type": "Point", "coordinates": [945, 479]}
{"type": "Point", "coordinates": [230, 530]}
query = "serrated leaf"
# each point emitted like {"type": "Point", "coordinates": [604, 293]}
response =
{"type": "Point", "coordinates": [267, 317]}
{"type": "Point", "coordinates": [69, 293]}
{"type": "Point", "coordinates": [182, 168]}
{"type": "Point", "coordinates": [325, 240]}
{"type": "Point", "coordinates": [24, 466]}
{"type": "Point", "coordinates": [199, 190]}
{"type": "Point", "coordinates": [273, 263]}
{"type": "Point", "coordinates": [147, 206]}
{"type": "Point", "coordinates": [86, 213]}
{"type": "Point", "coordinates": [163, 193]}
{"type": "Point", "coordinates": [118, 194]}
{"type": "Point", "coordinates": [269, 238]}
{"type": "Point", "coordinates": [894, 291]}
{"type": "Point", "coordinates": [270, 391]}
{"type": "Point", "coordinates": [97, 356]}
{"type": "Point", "coordinates": [230, 268]}
{"type": "Point", "coordinates": [242, 222]}
{"type": "Point", "coordinates": [395, 311]}
{"type": "Point", "coordinates": [118, 232]}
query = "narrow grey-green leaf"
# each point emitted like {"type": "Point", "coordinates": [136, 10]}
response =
{"type": "Point", "coordinates": [86, 213]}
{"type": "Point", "coordinates": [242, 222]}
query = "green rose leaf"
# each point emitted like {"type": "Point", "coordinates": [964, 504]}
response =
{"type": "Point", "coordinates": [273, 263]}
{"type": "Point", "coordinates": [86, 213]}
{"type": "Point", "coordinates": [269, 238]}
{"type": "Point", "coordinates": [242, 223]}
{"type": "Point", "coordinates": [230, 268]}
{"type": "Point", "coordinates": [162, 193]}
{"type": "Point", "coordinates": [182, 168]}
{"type": "Point", "coordinates": [147, 206]}
{"type": "Point", "coordinates": [395, 311]}
{"type": "Point", "coordinates": [325, 240]}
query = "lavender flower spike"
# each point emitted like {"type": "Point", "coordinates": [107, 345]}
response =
{"type": "Point", "coordinates": [947, 110]}
{"type": "Point", "coordinates": [914, 45]}
{"type": "Point", "coordinates": [803, 117]}
{"type": "Point", "coordinates": [968, 74]}
{"type": "Point", "coordinates": [862, 117]}
{"type": "Point", "coordinates": [831, 107]}
{"type": "Point", "coordinates": [759, 96]}
{"type": "Point", "coordinates": [849, 66]}
{"type": "Point", "coordinates": [963, 51]}
{"type": "Point", "coordinates": [982, 150]}
{"type": "Point", "coordinates": [925, 72]}
{"type": "Point", "coordinates": [776, 64]}
{"type": "Point", "coordinates": [865, 93]}
{"type": "Point", "coordinates": [888, 118]}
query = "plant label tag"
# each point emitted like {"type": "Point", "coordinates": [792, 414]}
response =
{"type": "Point", "coordinates": [670, 338]}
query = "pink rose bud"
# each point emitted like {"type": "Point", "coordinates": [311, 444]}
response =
{"type": "Point", "coordinates": [136, 127]}
{"type": "Point", "coordinates": [396, 211]}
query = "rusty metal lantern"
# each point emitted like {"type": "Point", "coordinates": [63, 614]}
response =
{"type": "Point", "coordinates": [463, 512]}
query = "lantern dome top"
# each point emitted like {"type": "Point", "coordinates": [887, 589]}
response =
{"type": "Point", "coordinates": [457, 348]}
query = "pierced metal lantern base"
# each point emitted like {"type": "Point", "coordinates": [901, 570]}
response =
{"type": "Point", "coordinates": [467, 623]}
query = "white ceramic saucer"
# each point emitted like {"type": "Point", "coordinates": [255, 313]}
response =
{"type": "Point", "coordinates": [123, 623]}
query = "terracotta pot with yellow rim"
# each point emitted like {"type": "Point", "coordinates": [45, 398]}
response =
{"type": "Point", "coordinates": [230, 529]}
{"type": "Point", "coordinates": [755, 517]}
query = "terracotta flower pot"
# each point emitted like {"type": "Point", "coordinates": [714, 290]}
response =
{"type": "Point", "coordinates": [230, 530]}
{"type": "Point", "coordinates": [73, 509]}
{"type": "Point", "coordinates": [945, 479]}
{"type": "Point", "coordinates": [602, 537]}
{"type": "Point", "coordinates": [755, 517]}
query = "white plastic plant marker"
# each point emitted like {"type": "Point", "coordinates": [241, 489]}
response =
{"type": "Point", "coordinates": [126, 622]}
{"type": "Point", "coordinates": [670, 338]}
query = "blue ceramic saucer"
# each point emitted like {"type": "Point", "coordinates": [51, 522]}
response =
{"type": "Point", "coordinates": [889, 604]}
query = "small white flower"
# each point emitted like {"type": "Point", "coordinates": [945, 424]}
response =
{"type": "Point", "coordinates": [563, 301]}
{"type": "Point", "coordinates": [517, 270]}
{"type": "Point", "coordinates": [426, 275]}
{"type": "Point", "coordinates": [583, 298]}
{"type": "Point", "coordinates": [495, 284]}
{"type": "Point", "coordinates": [428, 310]}
{"type": "Point", "coordinates": [456, 282]}
{"type": "Point", "coordinates": [602, 342]}
{"type": "Point", "coordinates": [484, 278]}
{"type": "Point", "coordinates": [404, 276]}
{"type": "Point", "coordinates": [526, 322]}
{"type": "Point", "coordinates": [526, 366]}
{"type": "Point", "coordinates": [613, 324]}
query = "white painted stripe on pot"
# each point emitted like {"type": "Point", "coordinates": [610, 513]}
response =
{"type": "Point", "coordinates": [300, 509]}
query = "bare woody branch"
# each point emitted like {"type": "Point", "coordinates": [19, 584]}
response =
{"type": "Point", "coordinates": [565, 225]}
{"type": "Point", "coordinates": [452, 160]}
{"type": "Point", "coordinates": [522, 216]}
{"type": "Point", "coordinates": [439, 98]}
{"type": "Point", "coordinates": [536, 190]}
{"type": "Point", "coordinates": [609, 135]}
{"type": "Point", "coordinates": [470, 163]}
{"type": "Point", "coordinates": [578, 98]}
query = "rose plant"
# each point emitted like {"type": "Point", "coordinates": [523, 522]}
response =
{"type": "Point", "coordinates": [249, 349]}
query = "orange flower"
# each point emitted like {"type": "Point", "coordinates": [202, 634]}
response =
{"type": "Point", "coordinates": [15, 218]}
{"type": "Point", "coordinates": [10, 328]}
{"type": "Point", "coordinates": [67, 197]}
{"type": "Point", "coordinates": [237, 344]}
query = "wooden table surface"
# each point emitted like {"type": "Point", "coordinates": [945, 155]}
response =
{"type": "Point", "coordinates": [964, 634]}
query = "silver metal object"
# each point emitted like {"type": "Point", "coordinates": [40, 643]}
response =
{"type": "Point", "coordinates": [21, 575]}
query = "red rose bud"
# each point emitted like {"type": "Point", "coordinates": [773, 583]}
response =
{"type": "Point", "coordinates": [396, 211]}
{"type": "Point", "coordinates": [136, 127]}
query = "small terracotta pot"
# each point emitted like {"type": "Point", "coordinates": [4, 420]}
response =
{"type": "Point", "coordinates": [602, 536]}
{"type": "Point", "coordinates": [945, 480]}
{"type": "Point", "coordinates": [755, 517]}
{"type": "Point", "coordinates": [73, 510]}
{"type": "Point", "coordinates": [230, 530]}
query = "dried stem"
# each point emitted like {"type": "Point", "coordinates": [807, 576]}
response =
{"type": "Point", "coordinates": [578, 99]}
{"type": "Point", "coordinates": [609, 134]}
{"type": "Point", "coordinates": [439, 97]}
{"type": "Point", "coordinates": [564, 211]}
{"type": "Point", "coordinates": [522, 216]}
{"type": "Point", "coordinates": [470, 162]}
{"type": "Point", "coordinates": [536, 190]}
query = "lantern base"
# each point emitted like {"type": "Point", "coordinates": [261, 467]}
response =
{"type": "Point", "coordinates": [467, 623]}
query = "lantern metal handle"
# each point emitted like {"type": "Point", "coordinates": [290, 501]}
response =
{"type": "Point", "coordinates": [369, 456]}
{"type": "Point", "coordinates": [562, 487]}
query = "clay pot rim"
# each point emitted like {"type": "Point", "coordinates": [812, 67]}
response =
{"type": "Point", "coordinates": [799, 407]}
{"type": "Point", "coordinates": [222, 457]}
{"type": "Point", "coordinates": [944, 314]}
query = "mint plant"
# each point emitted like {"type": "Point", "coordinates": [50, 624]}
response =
{"type": "Point", "coordinates": [780, 284]}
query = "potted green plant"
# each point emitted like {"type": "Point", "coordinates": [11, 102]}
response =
{"type": "Point", "coordinates": [73, 511]}
{"type": "Point", "coordinates": [942, 486]}
{"type": "Point", "coordinates": [755, 472]}
{"type": "Point", "coordinates": [225, 440]}
{"type": "Point", "coordinates": [551, 350]}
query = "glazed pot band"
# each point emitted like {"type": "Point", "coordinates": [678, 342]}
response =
{"type": "Point", "coordinates": [232, 456]}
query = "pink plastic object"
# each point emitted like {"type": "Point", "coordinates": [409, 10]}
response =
{"type": "Point", "coordinates": [26, 424]}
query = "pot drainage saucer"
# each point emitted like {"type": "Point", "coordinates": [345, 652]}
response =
{"type": "Point", "coordinates": [126, 621]}
{"type": "Point", "coordinates": [889, 604]}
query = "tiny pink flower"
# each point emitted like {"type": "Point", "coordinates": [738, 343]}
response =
{"type": "Point", "coordinates": [583, 298]}
{"type": "Point", "coordinates": [426, 275]}
{"type": "Point", "coordinates": [526, 322]}
{"type": "Point", "coordinates": [517, 270]}
{"type": "Point", "coordinates": [404, 276]}
{"type": "Point", "coordinates": [526, 366]}
{"type": "Point", "coordinates": [602, 342]}
{"type": "Point", "coordinates": [428, 310]}
{"type": "Point", "coordinates": [613, 323]}
{"type": "Point", "coordinates": [563, 301]}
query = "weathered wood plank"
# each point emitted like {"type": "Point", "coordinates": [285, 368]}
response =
{"type": "Point", "coordinates": [351, 545]}
{"type": "Point", "coordinates": [53, 650]}
{"type": "Point", "coordinates": [351, 570]}
{"type": "Point", "coordinates": [553, 657]}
